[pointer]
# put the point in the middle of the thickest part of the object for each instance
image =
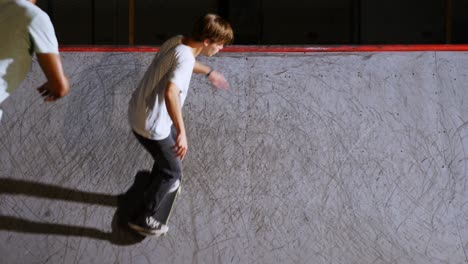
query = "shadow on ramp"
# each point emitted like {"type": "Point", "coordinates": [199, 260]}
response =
{"type": "Point", "coordinates": [127, 205]}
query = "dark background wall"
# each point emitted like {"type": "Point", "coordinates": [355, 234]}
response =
{"type": "Point", "coordinates": [262, 22]}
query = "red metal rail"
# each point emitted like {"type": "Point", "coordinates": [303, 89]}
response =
{"type": "Point", "coordinates": [282, 49]}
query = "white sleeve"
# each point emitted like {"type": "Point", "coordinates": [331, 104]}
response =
{"type": "Point", "coordinates": [42, 34]}
{"type": "Point", "coordinates": [182, 70]}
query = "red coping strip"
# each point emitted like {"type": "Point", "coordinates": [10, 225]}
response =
{"type": "Point", "coordinates": [283, 49]}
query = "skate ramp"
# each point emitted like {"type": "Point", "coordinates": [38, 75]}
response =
{"type": "Point", "coordinates": [308, 158]}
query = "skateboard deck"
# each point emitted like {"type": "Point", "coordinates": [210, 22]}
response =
{"type": "Point", "coordinates": [165, 209]}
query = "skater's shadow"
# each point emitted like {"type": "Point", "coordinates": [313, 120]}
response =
{"type": "Point", "coordinates": [126, 203]}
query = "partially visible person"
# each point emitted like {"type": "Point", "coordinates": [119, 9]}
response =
{"type": "Point", "coordinates": [26, 30]}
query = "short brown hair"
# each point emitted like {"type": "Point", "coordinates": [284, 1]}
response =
{"type": "Point", "coordinates": [213, 28]}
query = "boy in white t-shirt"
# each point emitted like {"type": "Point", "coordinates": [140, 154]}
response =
{"type": "Point", "coordinates": [24, 30]}
{"type": "Point", "coordinates": [155, 110]}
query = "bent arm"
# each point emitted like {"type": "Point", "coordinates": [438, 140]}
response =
{"type": "Point", "coordinates": [215, 77]}
{"type": "Point", "coordinates": [201, 68]}
{"type": "Point", "coordinates": [57, 84]}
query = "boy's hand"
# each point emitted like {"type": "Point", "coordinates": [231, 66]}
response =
{"type": "Point", "coordinates": [46, 93]}
{"type": "Point", "coordinates": [218, 80]}
{"type": "Point", "coordinates": [181, 145]}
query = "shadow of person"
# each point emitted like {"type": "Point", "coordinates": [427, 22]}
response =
{"type": "Point", "coordinates": [127, 205]}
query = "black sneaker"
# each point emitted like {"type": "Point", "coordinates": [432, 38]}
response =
{"type": "Point", "coordinates": [148, 226]}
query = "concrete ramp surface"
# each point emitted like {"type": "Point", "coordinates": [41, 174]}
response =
{"type": "Point", "coordinates": [308, 158]}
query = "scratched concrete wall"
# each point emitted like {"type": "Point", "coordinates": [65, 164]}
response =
{"type": "Point", "coordinates": [308, 158]}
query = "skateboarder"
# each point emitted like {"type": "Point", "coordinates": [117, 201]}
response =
{"type": "Point", "coordinates": [24, 30]}
{"type": "Point", "coordinates": [155, 110]}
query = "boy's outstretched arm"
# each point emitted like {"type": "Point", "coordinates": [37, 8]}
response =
{"type": "Point", "coordinates": [57, 84]}
{"type": "Point", "coordinates": [215, 77]}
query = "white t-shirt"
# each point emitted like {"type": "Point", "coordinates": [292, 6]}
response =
{"type": "Point", "coordinates": [24, 29]}
{"type": "Point", "coordinates": [147, 110]}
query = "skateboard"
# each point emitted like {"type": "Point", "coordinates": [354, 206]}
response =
{"type": "Point", "coordinates": [162, 214]}
{"type": "Point", "coordinates": [165, 209]}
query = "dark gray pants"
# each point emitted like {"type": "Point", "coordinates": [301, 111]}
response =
{"type": "Point", "coordinates": [167, 170]}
